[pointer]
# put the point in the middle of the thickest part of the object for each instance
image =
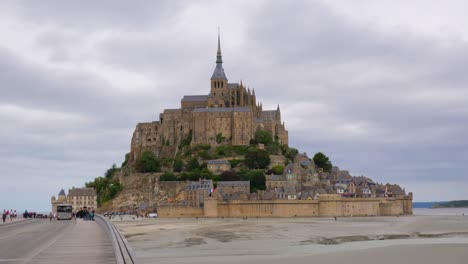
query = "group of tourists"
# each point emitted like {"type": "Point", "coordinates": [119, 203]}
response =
{"type": "Point", "coordinates": [86, 214]}
{"type": "Point", "coordinates": [53, 216]}
{"type": "Point", "coordinates": [8, 215]}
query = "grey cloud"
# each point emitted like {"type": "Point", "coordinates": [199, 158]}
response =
{"type": "Point", "coordinates": [91, 15]}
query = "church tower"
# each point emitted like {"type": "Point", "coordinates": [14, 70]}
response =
{"type": "Point", "coordinates": [218, 79]}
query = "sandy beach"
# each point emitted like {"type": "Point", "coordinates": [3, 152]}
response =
{"type": "Point", "coordinates": [424, 238]}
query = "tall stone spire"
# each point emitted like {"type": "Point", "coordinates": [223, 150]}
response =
{"type": "Point", "coordinates": [218, 73]}
{"type": "Point", "coordinates": [219, 57]}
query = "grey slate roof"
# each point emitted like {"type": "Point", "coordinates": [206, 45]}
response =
{"type": "Point", "coordinates": [275, 177]}
{"type": "Point", "coordinates": [62, 192]}
{"type": "Point", "coordinates": [82, 192]}
{"type": "Point", "coordinates": [195, 98]}
{"type": "Point", "coordinates": [203, 184]}
{"type": "Point", "coordinates": [171, 110]}
{"type": "Point", "coordinates": [233, 85]}
{"type": "Point", "coordinates": [234, 184]}
{"type": "Point", "coordinates": [218, 72]}
{"type": "Point", "coordinates": [289, 190]}
{"type": "Point", "coordinates": [222, 109]}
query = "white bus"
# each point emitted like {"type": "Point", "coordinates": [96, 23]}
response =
{"type": "Point", "coordinates": [64, 212]}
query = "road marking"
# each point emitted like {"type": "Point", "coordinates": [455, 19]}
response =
{"type": "Point", "coordinates": [17, 223]}
{"type": "Point", "coordinates": [45, 246]}
{"type": "Point", "coordinates": [10, 260]}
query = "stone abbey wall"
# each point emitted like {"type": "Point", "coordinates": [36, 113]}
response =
{"type": "Point", "coordinates": [170, 211]}
{"type": "Point", "coordinates": [327, 206]}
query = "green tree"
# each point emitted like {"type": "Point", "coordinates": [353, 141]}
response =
{"type": "Point", "coordinates": [178, 165]}
{"type": "Point", "coordinates": [168, 176]}
{"type": "Point", "coordinates": [291, 153]}
{"type": "Point", "coordinates": [278, 169]}
{"type": "Point", "coordinates": [127, 158]}
{"type": "Point", "coordinates": [273, 148]}
{"type": "Point", "coordinates": [263, 137]}
{"type": "Point", "coordinates": [229, 176]}
{"type": "Point", "coordinates": [235, 162]}
{"type": "Point", "coordinates": [257, 159]}
{"type": "Point", "coordinates": [111, 171]}
{"type": "Point", "coordinates": [256, 178]}
{"type": "Point", "coordinates": [322, 161]}
{"type": "Point", "coordinates": [148, 162]}
{"type": "Point", "coordinates": [193, 164]}
{"type": "Point", "coordinates": [186, 141]}
{"type": "Point", "coordinates": [106, 188]}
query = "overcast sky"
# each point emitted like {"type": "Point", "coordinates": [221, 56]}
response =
{"type": "Point", "coordinates": [381, 87]}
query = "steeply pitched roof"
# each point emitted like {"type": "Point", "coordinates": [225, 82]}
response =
{"type": "Point", "coordinates": [219, 71]}
{"type": "Point", "coordinates": [62, 192]}
{"type": "Point", "coordinates": [275, 177]}
{"type": "Point", "coordinates": [234, 184]}
{"type": "Point", "coordinates": [82, 192]}
{"type": "Point", "coordinates": [195, 98]}
{"type": "Point", "coordinates": [202, 184]}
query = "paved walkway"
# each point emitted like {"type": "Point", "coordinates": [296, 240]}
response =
{"type": "Point", "coordinates": [85, 242]}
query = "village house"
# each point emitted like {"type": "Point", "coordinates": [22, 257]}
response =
{"type": "Point", "coordinates": [196, 192]}
{"type": "Point", "coordinates": [276, 181]}
{"type": "Point", "coordinates": [82, 197]}
{"type": "Point", "coordinates": [77, 197]}
{"type": "Point", "coordinates": [231, 187]}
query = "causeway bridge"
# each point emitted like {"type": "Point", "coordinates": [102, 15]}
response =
{"type": "Point", "coordinates": [72, 241]}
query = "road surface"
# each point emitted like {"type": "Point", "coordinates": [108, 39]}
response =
{"type": "Point", "coordinates": [42, 241]}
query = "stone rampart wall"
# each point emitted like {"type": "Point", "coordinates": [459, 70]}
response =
{"type": "Point", "coordinates": [171, 211]}
{"type": "Point", "coordinates": [327, 206]}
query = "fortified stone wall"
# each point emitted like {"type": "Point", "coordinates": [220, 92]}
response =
{"type": "Point", "coordinates": [279, 208]}
{"type": "Point", "coordinates": [170, 211]}
{"type": "Point", "coordinates": [391, 208]}
{"type": "Point", "coordinates": [327, 206]}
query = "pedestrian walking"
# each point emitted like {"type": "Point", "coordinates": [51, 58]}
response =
{"type": "Point", "coordinates": [54, 216]}
{"type": "Point", "coordinates": [4, 215]}
{"type": "Point", "coordinates": [50, 216]}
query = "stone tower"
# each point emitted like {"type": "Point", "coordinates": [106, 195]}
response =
{"type": "Point", "coordinates": [219, 83]}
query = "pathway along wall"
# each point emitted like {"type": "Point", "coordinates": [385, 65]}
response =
{"type": "Point", "coordinates": [327, 205]}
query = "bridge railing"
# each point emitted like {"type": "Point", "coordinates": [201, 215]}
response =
{"type": "Point", "coordinates": [122, 250]}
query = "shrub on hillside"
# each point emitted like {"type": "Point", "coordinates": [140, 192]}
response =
{"type": "Point", "coordinates": [148, 162]}
{"type": "Point", "coordinates": [178, 165]}
{"type": "Point", "coordinates": [168, 176]}
{"type": "Point", "coordinates": [322, 161]}
{"type": "Point", "coordinates": [257, 159]}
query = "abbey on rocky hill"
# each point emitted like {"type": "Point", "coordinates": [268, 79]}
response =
{"type": "Point", "coordinates": [229, 114]}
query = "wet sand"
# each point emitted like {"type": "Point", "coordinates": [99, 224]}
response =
{"type": "Point", "coordinates": [408, 239]}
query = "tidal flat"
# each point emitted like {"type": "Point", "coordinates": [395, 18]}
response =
{"type": "Point", "coordinates": [424, 238]}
